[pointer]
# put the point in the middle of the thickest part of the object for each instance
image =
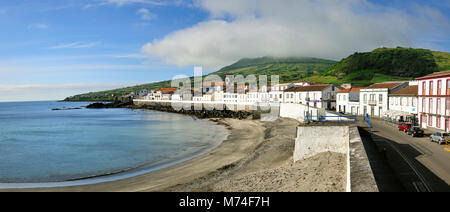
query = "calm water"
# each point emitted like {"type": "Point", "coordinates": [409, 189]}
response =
{"type": "Point", "coordinates": [41, 145]}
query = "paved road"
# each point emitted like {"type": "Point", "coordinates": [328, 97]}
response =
{"type": "Point", "coordinates": [430, 161]}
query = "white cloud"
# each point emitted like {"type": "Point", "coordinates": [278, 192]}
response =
{"type": "Point", "coordinates": [145, 14]}
{"type": "Point", "coordinates": [320, 28]}
{"type": "Point", "coordinates": [75, 45]}
{"type": "Point", "coordinates": [35, 92]}
{"type": "Point", "coordinates": [38, 26]}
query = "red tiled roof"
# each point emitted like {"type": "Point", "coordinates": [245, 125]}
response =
{"type": "Point", "coordinates": [388, 85]}
{"type": "Point", "coordinates": [308, 88]}
{"type": "Point", "coordinates": [436, 74]}
{"type": "Point", "coordinates": [167, 89]}
{"type": "Point", "coordinates": [411, 90]}
{"type": "Point", "coordinates": [348, 90]}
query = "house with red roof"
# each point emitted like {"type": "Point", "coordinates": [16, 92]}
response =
{"type": "Point", "coordinates": [319, 96]}
{"type": "Point", "coordinates": [347, 100]}
{"type": "Point", "coordinates": [374, 99]}
{"type": "Point", "coordinates": [403, 104]}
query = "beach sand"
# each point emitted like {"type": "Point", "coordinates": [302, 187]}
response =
{"type": "Point", "coordinates": [256, 157]}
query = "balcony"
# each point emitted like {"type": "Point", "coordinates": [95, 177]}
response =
{"type": "Point", "coordinates": [372, 102]}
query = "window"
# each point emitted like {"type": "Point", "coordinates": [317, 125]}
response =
{"type": "Point", "coordinates": [439, 87]}
{"type": "Point", "coordinates": [424, 86]}
{"type": "Point", "coordinates": [438, 106]}
{"type": "Point", "coordinates": [414, 103]}
{"type": "Point", "coordinates": [423, 105]}
{"type": "Point", "coordinates": [438, 122]}
{"type": "Point", "coordinates": [401, 101]}
{"type": "Point", "coordinates": [430, 120]}
{"type": "Point", "coordinates": [365, 98]}
{"type": "Point", "coordinates": [448, 87]}
{"type": "Point", "coordinates": [447, 106]}
{"type": "Point", "coordinates": [430, 106]}
{"type": "Point", "coordinates": [431, 88]}
{"type": "Point", "coordinates": [380, 98]}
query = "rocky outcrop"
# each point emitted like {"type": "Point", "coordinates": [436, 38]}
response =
{"type": "Point", "coordinates": [99, 105]}
{"type": "Point", "coordinates": [198, 113]}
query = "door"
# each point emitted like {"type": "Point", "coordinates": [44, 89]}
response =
{"type": "Point", "coordinates": [447, 125]}
{"type": "Point", "coordinates": [372, 111]}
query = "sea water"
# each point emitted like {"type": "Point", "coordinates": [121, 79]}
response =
{"type": "Point", "coordinates": [38, 144]}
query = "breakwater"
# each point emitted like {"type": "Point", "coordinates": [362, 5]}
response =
{"type": "Point", "coordinates": [192, 109]}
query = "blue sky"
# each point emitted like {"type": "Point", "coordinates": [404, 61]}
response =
{"type": "Point", "coordinates": [74, 46]}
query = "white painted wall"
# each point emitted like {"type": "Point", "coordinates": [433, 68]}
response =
{"type": "Point", "coordinates": [313, 140]}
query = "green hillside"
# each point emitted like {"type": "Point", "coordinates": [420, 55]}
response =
{"type": "Point", "coordinates": [385, 64]}
{"type": "Point", "coordinates": [289, 69]}
{"type": "Point", "coordinates": [360, 69]}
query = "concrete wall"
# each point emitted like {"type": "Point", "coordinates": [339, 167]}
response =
{"type": "Point", "coordinates": [298, 111]}
{"type": "Point", "coordinates": [313, 140]}
{"type": "Point", "coordinates": [293, 111]}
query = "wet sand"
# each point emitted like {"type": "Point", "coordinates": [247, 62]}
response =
{"type": "Point", "coordinates": [255, 157]}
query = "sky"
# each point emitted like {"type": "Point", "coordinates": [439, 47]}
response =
{"type": "Point", "coordinates": [51, 49]}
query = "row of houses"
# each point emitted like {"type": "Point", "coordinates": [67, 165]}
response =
{"type": "Point", "coordinates": [425, 102]}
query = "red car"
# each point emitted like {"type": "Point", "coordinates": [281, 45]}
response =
{"type": "Point", "coordinates": [404, 127]}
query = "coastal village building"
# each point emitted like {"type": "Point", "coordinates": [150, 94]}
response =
{"type": "Point", "coordinates": [319, 96]}
{"type": "Point", "coordinates": [434, 101]}
{"type": "Point", "coordinates": [374, 99]}
{"type": "Point", "coordinates": [277, 91]}
{"type": "Point", "coordinates": [254, 95]}
{"type": "Point", "coordinates": [347, 101]}
{"type": "Point", "coordinates": [164, 93]}
{"type": "Point", "coordinates": [403, 104]}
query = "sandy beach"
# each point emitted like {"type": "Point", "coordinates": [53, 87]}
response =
{"type": "Point", "coordinates": [256, 157]}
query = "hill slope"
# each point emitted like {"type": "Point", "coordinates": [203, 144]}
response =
{"type": "Point", "coordinates": [360, 69]}
{"type": "Point", "coordinates": [385, 64]}
{"type": "Point", "coordinates": [289, 69]}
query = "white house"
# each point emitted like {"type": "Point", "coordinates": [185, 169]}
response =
{"type": "Point", "coordinates": [434, 101]}
{"type": "Point", "coordinates": [319, 96]}
{"type": "Point", "coordinates": [403, 104]}
{"type": "Point", "coordinates": [347, 100]}
{"type": "Point", "coordinates": [277, 91]}
{"type": "Point", "coordinates": [374, 99]}
{"type": "Point", "coordinates": [230, 97]}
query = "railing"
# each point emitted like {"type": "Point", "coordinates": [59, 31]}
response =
{"type": "Point", "coordinates": [367, 119]}
{"type": "Point", "coordinates": [330, 118]}
{"type": "Point", "coordinates": [372, 102]}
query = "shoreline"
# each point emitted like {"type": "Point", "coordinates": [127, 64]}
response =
{"type": "Point", "coordinates": [255, 157]}
{"type": "Point", "coordinates": [125, 173]}
{"type": "Point", "coordinates": [152, 180]}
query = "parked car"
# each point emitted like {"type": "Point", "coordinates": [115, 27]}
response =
{"type": "Point", "coordinates": [404, 127]}
{"type": "Point", "coordinates": [440, 137]}
{"type": "Point", "coordinates": [415, 132]}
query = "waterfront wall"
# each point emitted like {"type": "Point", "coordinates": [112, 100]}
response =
{"type": "Point", "coordinates": [262, 111]}
{"type": "Point", "coordinates": [298, 111]}
{"type": "Point", "coordinates": [312, 140]}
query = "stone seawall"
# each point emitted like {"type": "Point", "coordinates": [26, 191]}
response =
{"type": "Point", "coordinates": [201, 110]}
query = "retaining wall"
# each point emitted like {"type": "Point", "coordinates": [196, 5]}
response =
{"type": "Point", "coordinates": [312, 140]}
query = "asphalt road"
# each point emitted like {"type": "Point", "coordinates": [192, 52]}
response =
{"type": "Point", "coordinates": [422, 165]}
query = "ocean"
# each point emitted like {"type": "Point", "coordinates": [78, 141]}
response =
{"type": "Point", "coordinates": [40, 145]}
